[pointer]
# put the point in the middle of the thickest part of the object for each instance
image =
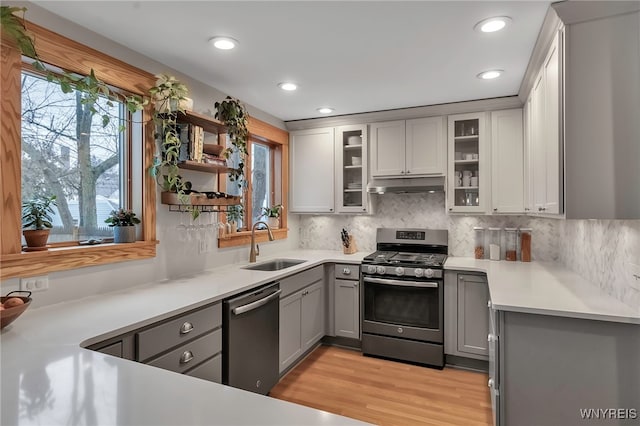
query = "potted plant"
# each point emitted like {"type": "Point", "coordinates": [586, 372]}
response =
{"type": "Point", "coordinates": [123, 223]}
{"type": "Point", "coordinates": [273, 215]}
{"type": "Point", "coordinates": [36, 221]}
{"type": "Point", "coordinates": [234, 215]}
{"type": "Point", "coordinates": [235, 117]}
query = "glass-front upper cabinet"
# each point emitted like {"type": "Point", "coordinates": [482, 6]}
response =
{"type": "Point", "coordinates": [351, 169]}
{"type": "Point", "coordinates": [468, 159]}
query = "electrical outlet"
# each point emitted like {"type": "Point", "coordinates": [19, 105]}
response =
{"type": "Point", "coordinates": [33, 284]}
{"type": "Point", "coordinates": [633, 275]}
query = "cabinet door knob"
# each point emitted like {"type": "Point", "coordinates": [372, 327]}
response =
{"type": "Point", "coordinates": [539, 209]}
{"type": "Point", "coordinates": [450, 208]}
{"type": "Point", "coordinates": [408, 171]}
{"type": "Point", "coordinates": [489, 304]}
{"type": "Point", "coordinates": [346, 271]}
{"type": "Point", "coordinates": [186, 328]}
{"type": "Point", "coordinates": [495, 209]}
{"type": "Point", "coordinates": [402, 172]}
{"type": "Point", "coordinates": [186, 357]}
{"type": "Point", "coordinates": [490, 383]}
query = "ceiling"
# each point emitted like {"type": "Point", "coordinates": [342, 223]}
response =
{"type": "Point", "coordinates": [353, 56]}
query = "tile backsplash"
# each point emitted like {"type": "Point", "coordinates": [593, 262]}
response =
{"type": "Point", "coordinates": [597, 250]}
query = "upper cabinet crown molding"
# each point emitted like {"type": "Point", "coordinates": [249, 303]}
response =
{"type": "Point", "coordinates": [572, 12]}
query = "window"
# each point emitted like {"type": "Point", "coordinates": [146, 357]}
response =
{"type": "Point", "coordinates": [119, 162]}
{"type": "Point", "coordinates": [266, 172]}
{"type": "Point", "coordinates": [68, 153]}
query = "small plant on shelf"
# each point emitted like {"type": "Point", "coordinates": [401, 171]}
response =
{"type": "Point", "coordinates": [123, 222]}
{"type": "Point", "coordinates": [274, 211]}
{"type": "Point", "coordinates": [122, 217]}
{"type": "Point", "coordinates": [234, 216]}
{"type": "Point", "coordinates": [36, 221]}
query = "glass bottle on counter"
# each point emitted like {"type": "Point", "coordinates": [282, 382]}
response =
{"type": "Point", "coordinates": [525, 244]}
{"type": "Point", "coordinates": [511, 244]}
{"type": "Point", "coordinates": [478, 236]}
{"type": "Point", "coordinates": [494, 243]}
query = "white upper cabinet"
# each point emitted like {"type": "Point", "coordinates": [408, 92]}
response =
{"type": "Point", "coordinates": [351, 169]}
{"type": "Point", "coordinates": [544, 146]}
{"type": "Point", "coordinates": [388, 148]}
{"type": "Point", "coordinates": [312, 171]}
{"type": "Point", "coordinates": [426, 148]}
{"type": "Point", "coordinates": [408, 148]}
{"type": "Point", "coordinates": [468, 189]}
{"type": "Point", "coordinates": [507, 162]}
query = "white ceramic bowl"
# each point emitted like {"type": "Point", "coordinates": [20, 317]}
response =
{"type": "Point", "coordinates": [356, 161]}
{"type": "Point", "coordinates": [354, 140]}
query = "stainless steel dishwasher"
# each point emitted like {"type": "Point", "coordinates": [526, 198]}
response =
{"type": "Point", "coordinates": [250, 333]}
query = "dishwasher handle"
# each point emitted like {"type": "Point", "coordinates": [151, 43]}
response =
{"type": "Point", "coordinates": [255, 305]}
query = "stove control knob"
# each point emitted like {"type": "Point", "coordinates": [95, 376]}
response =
{"type": "Point", "coordinates": [428, 273]}
{"type": "Point", "coordinates": [371, 269]}
{"type": "Point", "coordinates": [399, 271]}
{"type": "Point", "coordinates": [419, 272]}
{"type": "Point", "coordinates": [380, 269]}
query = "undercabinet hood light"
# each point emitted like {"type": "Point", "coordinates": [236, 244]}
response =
{"type": "Point", "coordinates": [325, 110]}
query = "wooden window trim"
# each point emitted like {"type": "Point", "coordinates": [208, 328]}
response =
{"type": "Point", "coordinates": [73, 57]}
{"type": "Point", "coordinates": [265, 132]}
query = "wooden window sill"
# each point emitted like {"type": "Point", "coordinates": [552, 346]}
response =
{"type": "Point", "coordinates": [243, 238]}
{"type": "Point", "coordinates": [65, 258]}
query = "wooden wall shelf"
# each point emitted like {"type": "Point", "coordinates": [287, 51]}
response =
{"type": "Point", "coordinates": [203, 167]}
{"type": "Point", "coordinates": [208, 123]}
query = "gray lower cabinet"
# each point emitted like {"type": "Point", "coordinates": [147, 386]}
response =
{"type": "Point", "coordinates": [190, 343]}
{"type": "Point", "coordinates": [466, 318]}
{"type": "Point", "coordinates": [550, 370]}
{"type": "Point", "coordinates": [346, 301]}
{"type": "Point", "coordinates": [302, 322]}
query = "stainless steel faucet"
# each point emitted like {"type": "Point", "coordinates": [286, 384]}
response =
{"type": "Point", "coordinates": [253, 253]}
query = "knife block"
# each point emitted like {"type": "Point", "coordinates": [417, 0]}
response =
{"type": "Point", "coordinates": [352, 246]}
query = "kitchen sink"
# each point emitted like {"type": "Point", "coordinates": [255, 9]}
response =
{"type": "Point", "coordinates": [274, 265]}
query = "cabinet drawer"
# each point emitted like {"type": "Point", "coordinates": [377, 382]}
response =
{"type": "Point", "coordinates": [177, 331]}
{"type": "Point", "coordinates": [209, 370]}
{"type": "Point", "coordinates": [347, 272]}
{"type": "Point", "coordinates": [295, 282]}
{"type": "Point", "coordinates": [191, 353]}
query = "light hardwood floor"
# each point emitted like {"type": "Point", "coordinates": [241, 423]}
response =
{"type": "Point", "coordinates": [384, 392]}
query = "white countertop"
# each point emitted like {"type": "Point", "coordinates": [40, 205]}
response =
{"type": "Point", "coordinates": [48, 379]}
{"type": "Point", "coordinates": [545, 288]}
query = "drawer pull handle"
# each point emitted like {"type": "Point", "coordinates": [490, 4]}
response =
{"type": "Point", "coordinates": [346, 271]}
{"type": "Point", "coordinates": [186, 357]}
{"type": "Point", "coordinates": [187, 327]}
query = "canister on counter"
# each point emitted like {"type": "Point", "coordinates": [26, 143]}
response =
{"type": "Point", "coordinates": [494, 243]}
{"type": "Point", "coordinates": [511, 243]}
{"type": "Point", "coordinates": [478, 236]}
{"type": "Point", "coordinates": [525, 244]}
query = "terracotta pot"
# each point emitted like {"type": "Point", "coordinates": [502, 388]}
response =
{"type": "Point", "coordinates": [36, 238]}
{"type": "Point", "coordinates": [124, 234]}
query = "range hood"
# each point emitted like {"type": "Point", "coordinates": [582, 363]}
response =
{"type": "Point", "coordinates": [406, 185]}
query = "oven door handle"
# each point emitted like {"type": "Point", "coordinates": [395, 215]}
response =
{"type": "Point", "coordinates": [400, 282]}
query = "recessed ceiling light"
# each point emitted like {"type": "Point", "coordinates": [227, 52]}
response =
{"type": "Point", "coordinates": [224, 43]}
{"type": "Point", "coordinates": [491, 25]}
{"type": "Point", "coordinates": [490, 75]}
{"type": "Point", "coordinates": [288, 86]}
{"type": "Point", "coordinates": [325, 110]}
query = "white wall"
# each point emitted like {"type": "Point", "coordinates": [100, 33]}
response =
{"type": "Point", "coordinates": [175, 257]}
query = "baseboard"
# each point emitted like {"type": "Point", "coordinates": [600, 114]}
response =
{"type": "Point", "coordinates": [344, 342]}
{"type": "Point", "coordinates": [466, 363]}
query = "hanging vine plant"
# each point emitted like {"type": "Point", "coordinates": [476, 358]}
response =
{"type": "Point", "coordinates": [13, 26]}
{"type": "Point", "coordinates": [232, 113]}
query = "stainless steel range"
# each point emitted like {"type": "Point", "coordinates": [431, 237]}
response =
{"type": "Point", "coordinates": [403, 296]}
